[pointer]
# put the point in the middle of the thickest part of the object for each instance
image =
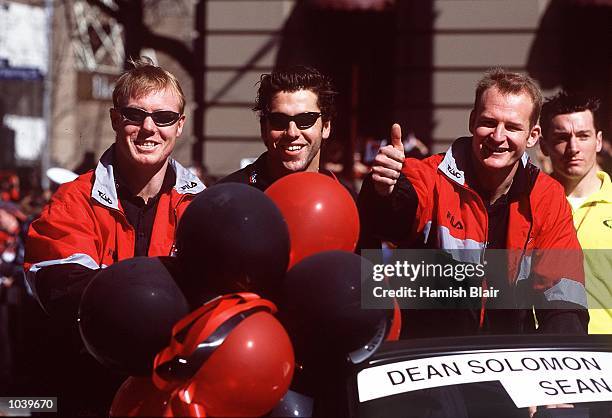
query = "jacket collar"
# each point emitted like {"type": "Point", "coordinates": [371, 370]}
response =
{"type": "Point", "coordinates": [457, 160]}
{"type": "Point", "coordinates": [604, 194]}
{"type": "Point", "coordinates": [104, 190]}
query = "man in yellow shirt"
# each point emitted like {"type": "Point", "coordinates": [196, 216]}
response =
{"type": "Point", "coordinates": [571, 138]}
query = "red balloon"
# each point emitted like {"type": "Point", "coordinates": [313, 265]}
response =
{"type": "Point", "coordinates": [249, 373]}
{"type": "Point", "coordinates": [138, 397]}
{"type": "Point", "coordinates": [396, 323]}
{"type": "Point", "coordinates": [319, 211]}
{"type": "Point", "coordinates": [230, 357]}
{"type": "Point", "coordinates": [183, 406]}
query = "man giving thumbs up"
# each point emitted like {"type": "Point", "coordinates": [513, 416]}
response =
{"type": "Point", "coordinates": [482, 194]}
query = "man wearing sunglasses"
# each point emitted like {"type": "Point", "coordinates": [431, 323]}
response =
{"type": "Point", "coordinates": [128, 206]}
{"type": "Point", "coordinates": [295, 107]}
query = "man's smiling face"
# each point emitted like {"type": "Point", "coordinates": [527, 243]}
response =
{"type": "Point", "coordinates": [144, 143]}
{"type": "Point", "coordinates": [291, 149]}
{"type": "Point", "coordinates": [501, 131]}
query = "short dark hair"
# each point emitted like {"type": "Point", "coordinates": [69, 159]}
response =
{"type": "Point", "coordinates": [568, 102]}
{"type": "Point", "coordinates": [511, 83]}
{"type": "Point", "coordinates": [292, 79]}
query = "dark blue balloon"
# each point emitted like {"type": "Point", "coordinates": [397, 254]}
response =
{"type": "Point", "coordinates": [320, 306]}
{"type": "Point", "coordinates": [127, 313]}
{"type": "Point", "coordinates": [232, 237]}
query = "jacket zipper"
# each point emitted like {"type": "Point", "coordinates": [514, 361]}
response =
{"type": "Point", "coordinates": [173, 249]}
{"type": "Point", "coordinates": [482, 254]}
{"type": "Point", "coordinates": [481, 315]}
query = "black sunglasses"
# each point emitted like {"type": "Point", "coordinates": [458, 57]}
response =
{"type": "Point", "coordinates": [160, 117]}
{"type": "Point", "coordinates": [280, 121]}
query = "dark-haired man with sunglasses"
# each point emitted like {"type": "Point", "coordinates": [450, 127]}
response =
{"type": "Point", "coordinates": [128, 206]}
{"type": "Point", "coordinates": [295, 107]}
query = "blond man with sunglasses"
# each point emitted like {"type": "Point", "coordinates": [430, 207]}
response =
{"type": "Point", "coordinates": [129, 205]}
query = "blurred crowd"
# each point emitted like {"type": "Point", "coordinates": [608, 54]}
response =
{"type": "Point", "coordinates": [17, 210]}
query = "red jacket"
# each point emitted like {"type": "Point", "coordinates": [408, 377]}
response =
{"type": "Point", "coordinates": [540, 219]}
{"type": "Point", "coordinates": [450, 215]}
{"type": "Point", "coordinates": [84, 224]}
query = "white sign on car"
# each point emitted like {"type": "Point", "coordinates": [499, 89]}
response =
{"type": "Point", "coordinates": [531, 377]}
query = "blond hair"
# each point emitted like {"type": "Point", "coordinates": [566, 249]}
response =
{"type": "Point", "coordinates": [143, 79]}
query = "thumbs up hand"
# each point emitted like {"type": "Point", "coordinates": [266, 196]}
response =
{"type": "Point", "coordinates": [388, 163]}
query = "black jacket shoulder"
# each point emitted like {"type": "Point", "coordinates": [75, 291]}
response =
{"type": "Point", "coordinates": [254, 174]}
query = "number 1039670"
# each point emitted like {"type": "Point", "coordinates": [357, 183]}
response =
{"type": "Point", "coordinates": [28, 403]}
